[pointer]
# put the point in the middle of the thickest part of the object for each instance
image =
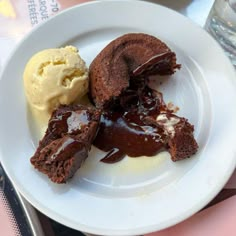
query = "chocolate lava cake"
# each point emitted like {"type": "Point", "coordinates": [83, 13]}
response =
{"type": "Point", "coordinates": [135, 120]}
{"type": "Point", "coordinates": [141, 124]}
{"type": "Point", "coordinates": [131, 55]}
{"type": "Point", "coordinates": [67, 141]}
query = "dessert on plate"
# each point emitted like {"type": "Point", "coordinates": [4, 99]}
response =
{"type": "Point", "coordinates": [126, 116]}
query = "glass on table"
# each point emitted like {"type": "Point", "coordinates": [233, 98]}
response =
{"type": "Point", "coordinates": [221, 24]}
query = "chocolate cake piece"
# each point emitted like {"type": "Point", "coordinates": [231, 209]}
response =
{"type": "Point", "coordinates": [181, 143]}
{"type": "Point", "coordinates": [131, 55]}
{"type": "Point", "coordinates": [67, 141]}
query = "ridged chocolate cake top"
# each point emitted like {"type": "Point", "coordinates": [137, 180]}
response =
{"type": "Point", "coordinates": [134, 54]}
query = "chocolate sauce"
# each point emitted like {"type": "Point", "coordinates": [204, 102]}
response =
{"type": "Point", "coordinates": [160, 64]}
{"type": "Point", "coordinates": [63, 149]}
{"type": "Point", "coordinates": [127, 131]}
{"type": "Point", "coordinates": [63, 129]}
{"type": "Point", "coordinates": [68, 122]}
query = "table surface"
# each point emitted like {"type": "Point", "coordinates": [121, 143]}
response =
{"type": "Point", "coordinates": [196, 10]}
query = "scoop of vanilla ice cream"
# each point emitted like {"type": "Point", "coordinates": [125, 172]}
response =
{"type": "Point", "coordinates": [53, 77]}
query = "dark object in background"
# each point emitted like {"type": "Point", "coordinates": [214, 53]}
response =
{"type": "Point", "coordinates": [12, 202]}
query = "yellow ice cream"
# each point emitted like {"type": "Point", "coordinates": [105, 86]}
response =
{"type": "Point", "coordinates": [53, 77]}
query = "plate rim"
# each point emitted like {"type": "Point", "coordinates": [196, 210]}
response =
{"type": "Point", "coordinates": [25, 194]}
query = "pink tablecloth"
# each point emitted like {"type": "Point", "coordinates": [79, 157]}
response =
{"type": "Point", "coordinates": [18, 17]}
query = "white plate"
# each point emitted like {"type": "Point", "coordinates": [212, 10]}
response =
{"type": "Point", "coordinates": [139, 195]}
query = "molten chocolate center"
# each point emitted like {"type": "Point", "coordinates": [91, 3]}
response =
{"type": "Point", "coordinates": [126, 130]}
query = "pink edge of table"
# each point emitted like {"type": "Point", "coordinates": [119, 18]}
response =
{"type": "Point", "coordinates": [222, 214]}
